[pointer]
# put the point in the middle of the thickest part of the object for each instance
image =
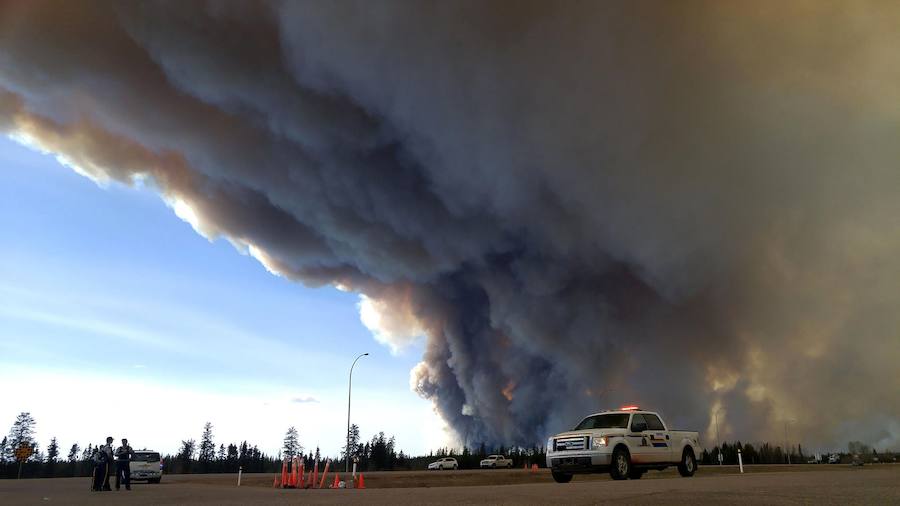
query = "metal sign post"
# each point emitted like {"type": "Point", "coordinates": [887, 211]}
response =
{"type": "Point", "coordinates": [23, 452]}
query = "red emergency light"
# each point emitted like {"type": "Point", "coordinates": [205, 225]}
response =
{"type": "Point", "coordinates": [629, 408]}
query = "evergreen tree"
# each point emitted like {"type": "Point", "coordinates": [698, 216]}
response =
{"type": "Point", "coordinates": [317, 453]}
{"type": "Point", "coordinates": [73, 453]}
{"type": "Point", "coordinates": [221, 454]}
{"type": "Point", "coordinates": [52, 451]}
{"type": "Point", "coordinates": [291, 446]}
{"type": "Point", "coordinates": [750, 456]}
{"type": "Point", "coordinates": [3, 446]}
{"type": "Point", "coordinates": [353, 444]}
{"type": "Point", "coordinates": [21, 434]}
{"type": "Point", "coordinates": [88, 451]}
{"type": "Point", "coordinates": [207, 446]}
{"type": "Point", "coordinates": [187, 450]}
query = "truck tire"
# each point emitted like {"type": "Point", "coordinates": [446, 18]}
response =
{"type": "Point", "coordinates": [688, 464]}
{"type": "Point", "coordinates": [561, 477]}
{"type": "Point", "coordinates": [620, 467]}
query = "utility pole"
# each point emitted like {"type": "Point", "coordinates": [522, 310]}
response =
{"type": "Point", "coordinates": [349, 390]}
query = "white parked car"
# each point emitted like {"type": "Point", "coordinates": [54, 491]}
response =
{"type": "Point", "coordinates": [444, 463]}
{"type": "Point", "coordinates": [495, 461]}
{"type": "Point", "coordinates": [146, 465]}
{"type": "Point", "coordinates": [625, 442]}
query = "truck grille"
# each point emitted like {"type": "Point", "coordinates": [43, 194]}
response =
{"type": "Point", "coordinates": [571, 443]}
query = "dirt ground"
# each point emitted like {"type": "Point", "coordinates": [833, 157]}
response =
{"type": "Point", "coordinates": [802, 484]}
{"type": "Point", "coordinates": [474, 477]}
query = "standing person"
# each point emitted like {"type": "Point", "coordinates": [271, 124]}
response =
{"type": "Point", "coordinates": [101, 466]}
{"type": "Point", "coordinates": [107, 449]}
{"type": "Point", "coordinates": [124, 455]}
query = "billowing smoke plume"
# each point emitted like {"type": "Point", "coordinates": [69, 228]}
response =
{"type": "Point", "coordinates": [692, 206]}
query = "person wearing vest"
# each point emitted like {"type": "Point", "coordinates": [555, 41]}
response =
{"type": "Point", "coordinates": [101, 466]}
{"type": "Point", "coordinates": [124, 454]}
{"type": "Point", "coordinates": [107, 449]}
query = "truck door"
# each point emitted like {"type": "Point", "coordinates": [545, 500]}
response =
{"type": "Point", "coordinates": [638, 441]}
{"type": "Point", "coordinates": [658, 439]}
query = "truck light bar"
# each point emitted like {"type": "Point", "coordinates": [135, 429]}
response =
{"type": "Point", "coordinates": [629, 408]}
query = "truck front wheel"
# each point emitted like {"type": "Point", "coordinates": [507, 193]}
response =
{"type": "Point", "coordinates": [561, 477]}
{"type": "Point", "coordinates": [688, 464]}
{"type": "Point", "coordinates": [621, 464]}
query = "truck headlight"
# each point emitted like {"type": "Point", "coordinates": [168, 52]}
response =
{"type": "Point", "coordinates": [550, 444]}
{"type": "Point", "coordinates": [599, 442]}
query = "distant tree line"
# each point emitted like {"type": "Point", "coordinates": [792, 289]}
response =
{"type": "Point", "coordinates": [764, 453]}
{"type": "Point", "coordinates": [377, 454]}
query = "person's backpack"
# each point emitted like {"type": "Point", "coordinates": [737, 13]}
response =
{"type": "Point", "coordinates": [99, 457]}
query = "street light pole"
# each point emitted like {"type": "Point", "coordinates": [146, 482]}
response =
{"type": "Point", "coordinates": [786, 447]}
{"type": "Point", "coordinates": [349, 390]}
{"type": "Point", "coordinates": [718, 443]}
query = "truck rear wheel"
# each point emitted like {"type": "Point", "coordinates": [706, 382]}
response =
{"type": "Point", "coordinates": [621, 464]}
{"type": "Point", "coordinates": [561, 477]}
{"type": "Point", "coordinates": [688, 464]}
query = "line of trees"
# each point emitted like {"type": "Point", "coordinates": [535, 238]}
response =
{"type": "Point", "coordinates": [377, 454]}
{"type": "Point", "coordinates": [764, 453]}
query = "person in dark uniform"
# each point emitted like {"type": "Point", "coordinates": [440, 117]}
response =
{"type": "Point", "coordinates": [124, 455]}
{"type": "Point", "coordinates": [101, 466]}
{"type": "Point", "coordinates": [108, 450]}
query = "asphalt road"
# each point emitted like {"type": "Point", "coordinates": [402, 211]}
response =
{"type": "Point", "coordinates": [868, 485]}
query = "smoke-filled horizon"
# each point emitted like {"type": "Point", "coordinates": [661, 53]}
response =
{"type": "Point", "coordinates": [692, 206]}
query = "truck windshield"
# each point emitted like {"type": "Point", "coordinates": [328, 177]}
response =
{"type": "Point", "coordinates": [146, 457]}
{"type": "Point", "coordinates": [610, 421]}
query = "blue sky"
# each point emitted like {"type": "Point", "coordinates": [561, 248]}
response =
{"type": "Point", "coordinates": [108, 299]}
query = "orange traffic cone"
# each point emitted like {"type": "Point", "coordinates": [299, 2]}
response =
{"type": "Point", "coordinates": [324, 474]}
{"type": "Point", "coordinates": [275, 482]}
{"type": "Point", "coordinates": [362, 482]}
{"type": "Point", "coordinates": [284, 473]}
{"type": "Point", "coordinates": [534, 468]}
{"type": "Point", "coordinates": [336, 483]}
{"type": "Point", "coordinates": [524, 467]}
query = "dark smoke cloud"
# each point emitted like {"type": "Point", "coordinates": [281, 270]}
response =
{"type": "Point", "coordinates": [693, 206]}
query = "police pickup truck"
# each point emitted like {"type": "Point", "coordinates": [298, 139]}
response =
{"type": "Point", "coordinates": [626, 442]}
